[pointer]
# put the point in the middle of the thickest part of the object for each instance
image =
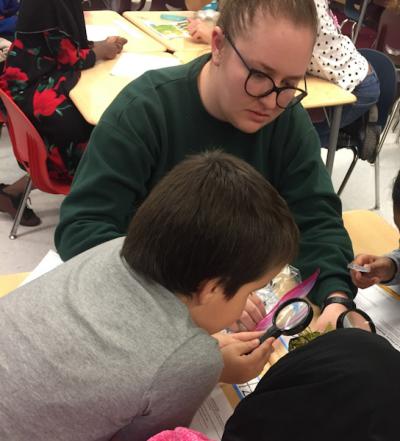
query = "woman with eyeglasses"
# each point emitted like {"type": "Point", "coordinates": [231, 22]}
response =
{"type": "Point", "coordinates": [242, 98]}
{"type": "Point", "coordinates": [335, 58]}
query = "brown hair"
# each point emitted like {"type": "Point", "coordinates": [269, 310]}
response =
{"type": "Point", "coordinates": [212, 217]}
{"type": "Point", "coordinates": [237, 16]}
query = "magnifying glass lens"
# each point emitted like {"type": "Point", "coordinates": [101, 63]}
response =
{"type": "Point", "coordinates": [353, 319]}
{"type": "Point", "coordinates": [291, 315]}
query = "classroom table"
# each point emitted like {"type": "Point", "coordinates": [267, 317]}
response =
{"type": "Point", "coordinates": [142, 18]}
{"type": "Point", "coordinates": [8, 282]}
{"type": "Point", "coordinates": [97, 88]}
{"type": "Point", "coordinates": [107, 21]}
{"type": "Point", "coordinates": [370, 233]}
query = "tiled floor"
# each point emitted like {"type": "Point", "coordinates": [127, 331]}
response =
{"type": "Point", "coordinates": [24, 253]}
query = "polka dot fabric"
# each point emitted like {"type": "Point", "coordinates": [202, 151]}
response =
{"type": "Point", "coordinates": [335, 58]}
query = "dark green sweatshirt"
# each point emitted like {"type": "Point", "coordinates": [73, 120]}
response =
{"type": "Point", "coordinates": [159, 119]}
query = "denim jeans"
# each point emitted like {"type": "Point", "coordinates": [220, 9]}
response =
{"type": "Point", "coordinates": [367, 93]}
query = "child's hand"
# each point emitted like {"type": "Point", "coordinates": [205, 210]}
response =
{"type": "Point", "coordinates": [243, 361]}
{"type": "Point", "coordinates": [225, 339]}
{"type": "Point", "coordinates": [381, 269]}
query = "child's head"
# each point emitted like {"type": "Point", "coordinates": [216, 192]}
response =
{"type": "Point", "coordinates": [396, 200]}
{"type": "Point", "coordinates": [211, 224]}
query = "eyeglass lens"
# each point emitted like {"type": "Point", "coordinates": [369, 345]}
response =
{"type": "Point", "coordinates": [258, 84]}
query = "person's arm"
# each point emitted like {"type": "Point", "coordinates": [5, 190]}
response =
{"type": "Point", "coordinates": [381, 269]}
{"type": "Point", "coordinates": [112, 178]}
{"type": "Point", "coordinates": [305, 184]}
{"type": "Point", "coordinates": [67, 52]}
{"type": "Point", "coordinates": [178, 389]}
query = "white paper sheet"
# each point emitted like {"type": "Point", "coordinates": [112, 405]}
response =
{"type": "Point", "coordinates": [129, 29]}
{"type": "Point", "coordinates": [133, 65]}
{"type": "Point", "coordinates": [50, 261]}
{"type": "Point", "coordinates": [99, 33]}
{"type": "Point", "coordinates": [384, 310]}
{"type": "Point", "coordinates": [210, 419]}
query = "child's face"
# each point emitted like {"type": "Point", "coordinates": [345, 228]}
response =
{"type": "Point", "coordinates": [217, 312]}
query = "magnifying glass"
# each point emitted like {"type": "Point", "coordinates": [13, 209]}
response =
{"type": "Point", "coordinates": [292, 317]}
{"type": "Point", "coordinates": [356, 318]}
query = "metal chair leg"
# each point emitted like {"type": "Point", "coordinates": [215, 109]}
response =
{"type": "Point", "coordinates": [21, 208]}
{"type": "Point", "coordinates": [377, 184]}
{"type": "Point", "coordinates": [349, 171]}
{"type": "Point", "coordinates": [396, 115]}
{"type": "Point", "coordinates": [386, 129]}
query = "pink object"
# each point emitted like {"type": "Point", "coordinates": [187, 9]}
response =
{"type": "Point", "coordinates": [179, 434]}
{"type": "Point", "coordinates": [300, 290]}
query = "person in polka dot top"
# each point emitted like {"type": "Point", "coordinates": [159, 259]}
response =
{"type": "Point", "coordinates": [336, 59]}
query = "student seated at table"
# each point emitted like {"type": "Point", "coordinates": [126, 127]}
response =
{"type": "Point", "coordinates": [336, 59]}
{"type": "Point", "coordinates": [116, 342]}
{"type": "Point", "coordinates": [240, 98]}
{"type": "Point", "coordinates": [382, 269]}
{"type": "Point", "coordinates": [43, 65]}
{"type": "Point", "coordinates": [342, 386]}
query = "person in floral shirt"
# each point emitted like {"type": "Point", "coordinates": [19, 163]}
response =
{"type": "Point", "coordinates": [43, 65]}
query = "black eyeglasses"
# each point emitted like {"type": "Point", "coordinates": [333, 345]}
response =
{"type": "Point", "coordinates": [258, 85]}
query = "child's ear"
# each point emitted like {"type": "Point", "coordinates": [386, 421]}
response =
{"type": "Point", "coordinates": [217, 45]}
{"type": "Point", "coordinates": [208, 290]}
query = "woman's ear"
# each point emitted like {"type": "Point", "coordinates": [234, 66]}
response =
{"type": "Point", "coordinates": [217, 45]}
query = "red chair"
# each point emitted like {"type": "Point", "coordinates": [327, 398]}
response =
{"type": "Point", "coordinates": [31, 153]}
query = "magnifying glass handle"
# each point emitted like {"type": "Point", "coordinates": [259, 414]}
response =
{"type": "Point", "coordinates": [273, 331]}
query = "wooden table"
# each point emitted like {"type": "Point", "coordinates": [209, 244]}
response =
{"type": "Point", "coordinates": [370, 233]}
{"type": "Point", "coordinates": [97, 88]}
{"type": "Point", "coordinates": [139, 18]}
{"type": "Point", "coordinates": [8, 282]}
{"type": "Point", "coordinates": [138, 41]}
